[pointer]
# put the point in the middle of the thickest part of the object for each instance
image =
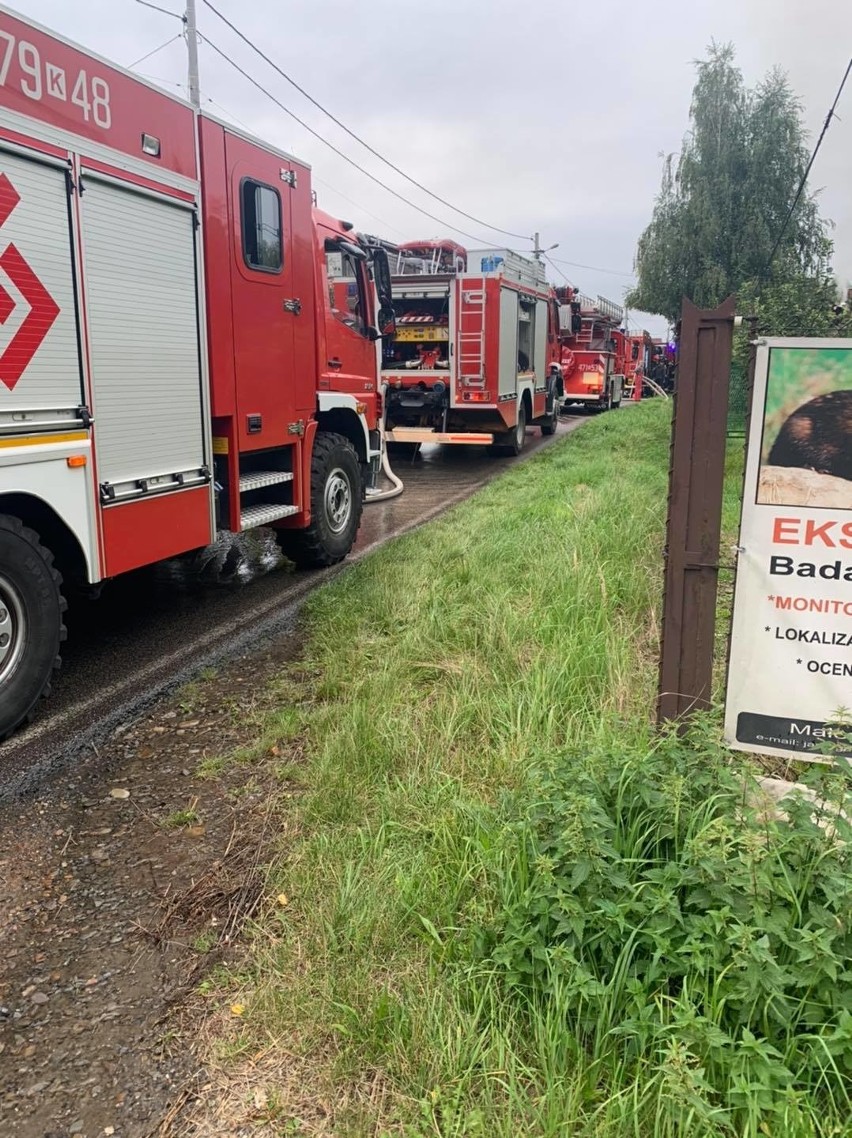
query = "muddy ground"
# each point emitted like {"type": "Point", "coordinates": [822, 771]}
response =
{"type": "Point", "coordinates": [119, 891]}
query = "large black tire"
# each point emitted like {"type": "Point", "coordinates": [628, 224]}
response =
{"type": "Point", "coordinates": [549, 425]}
{"type": "Point", "coordinates": [512, 442]}
{"type": "Point", "coordinates": [337, 499]}
{"type": "Point", "coordinates": [31, 622]}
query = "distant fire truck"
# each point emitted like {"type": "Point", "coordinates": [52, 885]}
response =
{"type": "Point", "coordinates": [639, 355]}
{"type": "Point", "coordinates": [475, 356]}
{"type": "Point", "coordinates": [173, 359]}
{"type": "Point", "coordinates": [594, 349]}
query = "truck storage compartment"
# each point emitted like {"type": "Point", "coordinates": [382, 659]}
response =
{"type": "Point", "coordinates": [142, 306]}
{"type": "Point", "coordinates": [40, 368]}
{"type": "Point", "coordinates": [148, 405]}
{"type": "Point", "coordinates": [422, 338]}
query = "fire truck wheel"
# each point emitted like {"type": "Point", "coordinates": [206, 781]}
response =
{"type": "Point", "coordinates": [336, 504]}
{"type": "Point", "coordinates": [549, 425]}
{"type": "Point", "coordinates": [512, 442]}
{"type": "Point", "coordinates": [31, 622]}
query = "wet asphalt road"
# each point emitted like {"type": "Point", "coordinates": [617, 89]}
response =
{"type": "Point", "coordinates": [141, 638]}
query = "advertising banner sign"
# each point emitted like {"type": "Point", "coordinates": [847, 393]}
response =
{"type": "Point", "coordinates": [789, 686]}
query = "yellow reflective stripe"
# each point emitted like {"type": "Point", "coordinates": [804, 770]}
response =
{"type": "Point", "coordinates": [34, 440]}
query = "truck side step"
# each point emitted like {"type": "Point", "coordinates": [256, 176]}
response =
{"type": "Point", "coordinates": [258, 478]}
{"type": "Point", "coordinates": [264, 513]}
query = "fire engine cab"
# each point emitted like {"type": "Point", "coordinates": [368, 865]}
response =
{"type": "Point", "coordinates": [474, 358]}
{"type": "Point", "coordinates": [172, 360]}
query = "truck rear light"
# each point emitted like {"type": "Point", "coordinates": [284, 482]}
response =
{"type": "Point", "coordinates": [477, 397]}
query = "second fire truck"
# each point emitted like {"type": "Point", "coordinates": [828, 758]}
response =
{"type": "Point", "coordinates": [475, 356]}
{"type": "Point", "coordinates": [594, 350]}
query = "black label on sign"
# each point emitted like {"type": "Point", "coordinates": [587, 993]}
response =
{"type": "Point", "coordinates": [794, 734]}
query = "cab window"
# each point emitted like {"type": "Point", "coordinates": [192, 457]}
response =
{"type": "Point", "coordinates": [346, 290]}
{"type": "Point", "coordinates": [260, 207]}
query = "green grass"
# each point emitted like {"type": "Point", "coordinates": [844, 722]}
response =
{"type": "Point", "coordinates": [493, 867]}
{"type": "Point", "coordinates": [179, 819]}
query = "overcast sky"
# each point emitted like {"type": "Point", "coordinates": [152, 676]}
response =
{"type": "Point", "coordinates": [529, 114]}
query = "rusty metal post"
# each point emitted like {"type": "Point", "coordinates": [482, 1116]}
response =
{"type": "Point", "coordinates": [696, 481]}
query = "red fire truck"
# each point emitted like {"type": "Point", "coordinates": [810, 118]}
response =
{"type": "Point", "coordinates": [172, 360]}
{"type": "Point", "coordinates": [639, 346]}
{"type": "Point", "coordinates": [475, 355]}
{"type": "Point", "coordinates": [594, 349]}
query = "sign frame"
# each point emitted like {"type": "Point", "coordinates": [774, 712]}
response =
{"type": "Point", "coordinates": [789, 676]}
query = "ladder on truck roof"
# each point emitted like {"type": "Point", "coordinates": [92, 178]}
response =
{"type": "Point", "coordinates": [471, 362]}
{"type": "Point", "coordinates": [601, 307]}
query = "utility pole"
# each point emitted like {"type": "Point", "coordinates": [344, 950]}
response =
{"type": "Point", "coordinates": [191, 32]}
{"type": "Point", "coordinates": [538, 252]}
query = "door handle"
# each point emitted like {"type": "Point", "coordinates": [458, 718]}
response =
{"type": "Point", "coordinates": [294, 306]}
{"type": "Point", "coordinates": [335, 363]}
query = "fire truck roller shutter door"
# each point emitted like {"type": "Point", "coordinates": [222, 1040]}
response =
{"type": "Point", "coordinates": [540, 342]}
{"type": "Point", "coordinates": [508, 361]}
{"type": "Point", "coordinates": [39, 348]}
{"type": "Point", "coordinates": [143, 327]}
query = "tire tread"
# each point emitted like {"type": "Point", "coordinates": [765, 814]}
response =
{"type": "Point", "coordinates": [305, 546]}
{"type": "Point", "coordinates": [14, 525]}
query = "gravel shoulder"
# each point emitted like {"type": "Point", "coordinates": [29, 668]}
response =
{"type": "Point", "coordinates": [117, 896]}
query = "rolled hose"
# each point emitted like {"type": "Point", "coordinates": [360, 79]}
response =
{"type": "Point", "coordinates": [397, 485]}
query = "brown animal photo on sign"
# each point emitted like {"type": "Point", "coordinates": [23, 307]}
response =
{"type": "Point", "coordinates": [806, 455]}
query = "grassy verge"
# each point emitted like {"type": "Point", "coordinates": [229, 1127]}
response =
{"type": "Point", "coordinates": [504, 906]}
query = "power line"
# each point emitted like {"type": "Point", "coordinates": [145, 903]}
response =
{"type": "Point", "coordinates": [157, 8]}
{"type": "Point", "coordinates": [801, 188]}
{"type": "Point", "coordinates": [256, 83]}
{"type": "Point", "coordinates": [356, 137]}
{"type": "Point", "coordinates": [159, 79]}
{"type": "Point", "coordinates": [595, 268]}
{"type": "Point", "coordinates": [142, 58]}
{"type": "Point", "coordinates": [314, 178]}
{"type": "Point", "coordinates": [205, 98]}
{"type": "Point", "coordinates": [357, 205]}
{"type": "Point", "coordinates": [556, 267]}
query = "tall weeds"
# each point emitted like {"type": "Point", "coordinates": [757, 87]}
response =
{"type": "Point", "coordinates": [510, 906]}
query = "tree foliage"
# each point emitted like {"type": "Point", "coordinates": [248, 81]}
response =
{"type": "Point", "coordinates": [722, 205]}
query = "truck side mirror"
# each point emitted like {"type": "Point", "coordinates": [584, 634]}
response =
{"type": "Point", "coordinates": [382, 277]}
{"type": "Point", "coordinates": [354, 251]}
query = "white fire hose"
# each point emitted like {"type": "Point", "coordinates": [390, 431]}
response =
{"type": "Point", "coordinates": [397, 485]}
